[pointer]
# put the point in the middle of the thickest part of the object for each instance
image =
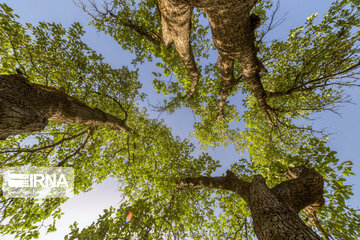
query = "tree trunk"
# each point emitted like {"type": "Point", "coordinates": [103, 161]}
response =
{"type": "Point", "coordinates": [273, 218]}
{"type": "Point", "coordinates": [176, 28]}
{"type": "Point", "coordinates": [27, 107]}
{"type": "Point", "coordinates": [232, 28]}
{"type": "Point", "coordinates": [274, 211]}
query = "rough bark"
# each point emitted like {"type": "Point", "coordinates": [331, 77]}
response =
{"type": "Point", "coordinates": [226, 67]}
{"type": "Point", "coordinates": [27, 107]}
{"type": "Point", "coordinates": [233, 35]}
{"type": "Point", "coordinates": [176, 28]}
{"type": "Point", "coordinates": [232, 28]}
{"type": "Point", "coordinates": [273, 218]}
{"type": "Point", "coordinates": [274, 211]}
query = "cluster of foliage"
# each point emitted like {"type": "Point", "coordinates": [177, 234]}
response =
{"type": "Point", "coordinates": [51, 55]}
{"type": "Point", "coordinates": [306, 74]}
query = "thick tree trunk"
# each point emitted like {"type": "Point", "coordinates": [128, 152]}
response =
{"type": "Point", "coordinates": [232, 28]}
{"type": "Point", "coordinates": [233, 35]}
{"type": "Point", "coordinates": [176, 28]}
{"type": "Point", "coordinates": [276, 219]}
{"type": "Point", "coordinates": [274, 211]}
{"type": "Point", "coordinates": [27, 107]}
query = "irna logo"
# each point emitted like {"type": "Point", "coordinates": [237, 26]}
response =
{"type": "Point", "coordinates": [37, 182]}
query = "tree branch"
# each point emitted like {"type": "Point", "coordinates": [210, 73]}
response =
{"type": "Point", "coordinates": [116, 101]}
{"type": "Point", "coordinates": [20, 150]}
{"type": "Point", "coordinates": [305, 188]}
{"type": "Point", "coordinates": [303, 88]}
{"type": "Point", "coordinates": [156, 41]}
{"type": "Point", "coordinates": [91, 132]}
{"type": "Point", "coordinates": [229, 182]}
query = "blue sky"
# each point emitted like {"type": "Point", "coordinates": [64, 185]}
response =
{"type": "Point", "coordinates": [85, 207]}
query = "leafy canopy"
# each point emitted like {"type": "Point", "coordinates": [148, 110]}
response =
{"type": "Point", "coordinates": [306, 74]}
